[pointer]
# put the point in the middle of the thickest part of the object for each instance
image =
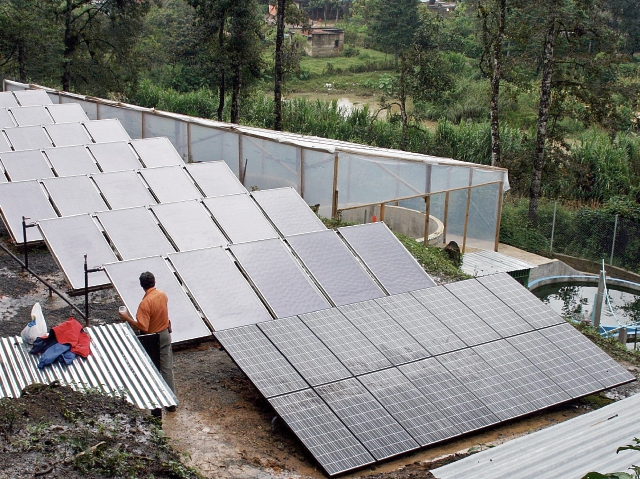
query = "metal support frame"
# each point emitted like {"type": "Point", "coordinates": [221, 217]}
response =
{"type": "Point", "coordinates": [86, 288]}
{"type": "Point", "coordinates": [24, 241]}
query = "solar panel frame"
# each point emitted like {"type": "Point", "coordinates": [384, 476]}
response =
{"type": "Point", "coordinates": [335, 448]}
{"type": "Point", "coordinates": [489, 308]}
{"type": "Point", "coordinates": [24, 198]}
{"type": "Point", "coordinates": [584, 352]}
{"type": "Point", "coordinates": [67, 113]}
{"type": "Point", "coordinates": [188, 225]}
{"type": "Point", "coordinates": [6, 119]}
{"type": "Point", "coordinates": [186, 323]}
{"type": "Point", "coordinates": [555, 364]}
{"type": "Point", "coordinates": [536, 386]}
{"type": "Point", "coordinates": [102, 131]}
{"type": "Point", "coordinates": [346, 341]}
{"type": "Point", "coordinates": [431, 333]}
{"type": "Point", "coordinates": [396, 269]}
{"type": "Point", "coordinates": [280, 279]}
{"type": "Point", "coordinates": [74, 195]}
{"type": "Point", "coordinates": [454, 314]}
{"type": "Point", "coordinates": [449, 395]}
{"type": "Point", "coordinates": [420, 418]}
{"type": "Point", "coordinates": [69, 250]}
{"type": "Point", "coordinates": [4, 143]}
{"type": "Point", "coordinates": [28, 138]}
{"type": "Point", "coordinates": [259, 359]}
{"type": "Point", "coordinates": [32, 97]}
{"type": "Point", "coordinates": [123, 189]}
{"type": "Point", "coordinates": [501, 397]}
{"type": "Point", "coordinates": [7, 99]}
{"type": "Point", "coordinates": [31, 115]}
{"type": "Point", "coordinates": [333, 265]}
{"type": "Point", "coordinates": [240, 218]}
{"type": "Point", "coordinates": [226, 298]}
{"type": "Point", "coordinates": [126, 227]}
{"type": "Point", "coordinates": [371, 424]}
{"type": "Point", "coordinates": [288, 211]}
{"type": "Point", "coordinates": [71, 160]}
{"type": "Point", "coordinates": [26, 165]}
{"type": "Point", "coordinates": [114, 156]}
{"type": "Point", "coordinates": [155, 152]}
{"type": "Point", "coordinates": [215, 178]}
{"type": "Point", "coordinates": [387, 336]}
{"type": "Point", "coordinates": [67, 134]}
{"type": "Point", "coordinates": [521, 300]}
{"type": "Point", "coordinates": [170, 184]}
{"type": "Point", "coordinates": [307, 354]}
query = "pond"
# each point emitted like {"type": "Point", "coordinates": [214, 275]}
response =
{"type": "Point", "coordinates": [577, 302]}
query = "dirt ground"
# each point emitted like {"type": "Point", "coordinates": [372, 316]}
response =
{"type": "Point", "coordinates": [223, 427]}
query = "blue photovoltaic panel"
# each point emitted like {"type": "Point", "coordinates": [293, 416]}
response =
{"type": "Point", "coordinates": [261, 361]}
{"type": "Point", "coordinates": [456, 316]}
{"type": "Point", "coordinates": [501, 397]}
{"type": "Point", "coordinates": [186, 323]}
{"type": "Point", "coordinates": [288, 211]}
{"type": "Point", "coordinates": [536, 386]}
{"type": "Point", "coordinates": [554, 363]}
{"type": "Point", "coordinates": [240, 218]}
{"type": "Point", "coordinates": [6, 120]}
{"type": "Point", "coordinates": [334, 267]}
{"type": "Point", "coordinates": [521, 300]}
{"type": "Point", "coordinates": [225, 298]}
{"type": "Point", "coordinates": [67, 134]}
{"type": "Point", "coordinates": [346, 341]}
{"type": "Point", "coordinates": [366, 418]}
{"type": "Point", "coordinates": [312, 359]}
{"type": "Point", "coordinates": [387, 259]}
{"type": "Point", "coordinates": [170, 183]}
{"type": "Point", "coordinates": [32, 97]}
{"type": "Point", "coordinates": [448, 395]}
{"type": "Point", "coordinates": [134, 233]}
{"type": "Point", "coordinates": [323, 434]}
{"type": "Point", "coordinates": [282, 282]}
{"type": "Point", "coordinates": [188, 225]}
{"type": "Point", "coordinates": [409, 406]}
{"type": "Point", "coordinates": [31, 115]}
{"type": "Point", "coordinates": [26, 165]}
{"type": "Point", "coordinates": [71, 160]}
{"type": "Point", "coordinates": [28, 138]}
{"type": "Point", "coordinates": [581, 350]}
{"type": "Point", "coordinates": [157, 152]}
{"type": "Point", "coordinates": [24, 198]}
{"type": "Point", "coordinates": [386, 335]}
{"type": "Point", "coordinates": [115, 156]}
{"type": "Point", "coordinates": [106, 130]}
{"type": "Point", "coordinates": [69, 249]}
{"type": "Point", "coordinates": [123, 189]}
{"type": "Point", "coordinates": [215, 178]}
{"type": "Point", "coordinates": [490, 309]}
{"type": "Point", "coordinates": [67, 113]}
{"type": "Point", "coordinates": [425, 328]}
{"type": "Point", "coordinates": [74, 195]}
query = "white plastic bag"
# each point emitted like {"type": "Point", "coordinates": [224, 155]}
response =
{"type": "Point", "coordinates": [37, 327]}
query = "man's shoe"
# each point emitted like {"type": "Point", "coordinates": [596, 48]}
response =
{"type": "Point", "coordinates": [170, 408]}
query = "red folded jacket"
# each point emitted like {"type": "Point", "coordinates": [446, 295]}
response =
{"type": "Point", "coordinates": [71, 332]}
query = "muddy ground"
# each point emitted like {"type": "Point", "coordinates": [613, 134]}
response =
{"type": "Point", "coordinates": [223, 427]}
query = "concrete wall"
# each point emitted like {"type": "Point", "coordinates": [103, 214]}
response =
{"type": "Point", "coordinates": [594, 267]}
{"type": "Point", "coordinates": [324, 44]}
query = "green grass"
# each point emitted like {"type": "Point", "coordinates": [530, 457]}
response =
{"type": "Point", "coordinates": [318, 66]}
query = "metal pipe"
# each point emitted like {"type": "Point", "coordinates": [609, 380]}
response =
{"type": "Point", "coordinates": [86, 289]}
{"type": "Point", "coordinates": [43, 281]}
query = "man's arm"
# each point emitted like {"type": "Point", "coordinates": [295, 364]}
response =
{"type": "Point", "coordinates": [127, 317]}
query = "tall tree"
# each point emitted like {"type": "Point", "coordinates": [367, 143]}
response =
{"type": "Point", "coordinates": [279, 72]}
{"type": "Point", "coordinates": [393, 24]}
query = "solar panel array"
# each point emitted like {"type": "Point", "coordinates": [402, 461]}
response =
{"type": "Point", "coordinates": [364, 382]}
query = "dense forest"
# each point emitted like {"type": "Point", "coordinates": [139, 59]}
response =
{"type": "Point", "coordinates": [547, 89]}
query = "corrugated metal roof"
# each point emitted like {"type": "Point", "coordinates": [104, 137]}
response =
{"type": "Point", "coordinates": [568, 450]}
{"type": "Point", "coordinates": [118, 365]}
{"type": "Point", "coordinates": [483, 263]}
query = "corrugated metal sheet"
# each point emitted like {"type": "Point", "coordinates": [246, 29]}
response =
{"type": "Point", "coordinates": [118, 365]}
{"type": "Point", "coordinates": [483, 263]}
{"type": "Point", "coordinates": [568, 450]}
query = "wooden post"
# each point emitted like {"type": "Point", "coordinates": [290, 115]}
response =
{"type": "Point", "coordinates": [189, 157]}
{"type": "Point", "coordinates": [497, 241]}
{"type": "Point", "coordinates": [466, 220]}
{"type": "Point", "coordinates": [446, 217]}
{"type": "Point", "coordinates": [241, 174]}
{"type": "Point", "coordinates": [144, 123]}
{"type": "Point", "coordinates": [382, 212]}
{"type": "Point", "coordinates": [334, 206]}
{"type": "Point", "coordinates": [302, 172]}
{"type": "Point", "coordinates": [427, 214]}
{"type": "Point", "coordinates": [98, 111]}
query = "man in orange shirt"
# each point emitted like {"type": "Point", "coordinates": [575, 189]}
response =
{"type": "Point", "coordinates": [152, 317]}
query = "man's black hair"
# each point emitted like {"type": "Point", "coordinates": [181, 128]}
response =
{"type": "Point", "coordinates": [147, 280]}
